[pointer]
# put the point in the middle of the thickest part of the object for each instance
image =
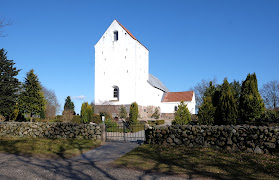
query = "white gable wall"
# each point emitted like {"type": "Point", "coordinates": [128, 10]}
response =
{"type": "Point", "coordinates": [122, 63]}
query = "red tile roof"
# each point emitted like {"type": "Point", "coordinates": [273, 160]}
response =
{"type": "Point", "coordinates": [178, 96]}
{"type": "Point", "coordinates": [129, 33]}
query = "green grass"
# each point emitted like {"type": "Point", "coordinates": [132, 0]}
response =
{"type": "Point", "coordinates": [201, 163]}
{"type": "Point", "coordinates": [46, 148]}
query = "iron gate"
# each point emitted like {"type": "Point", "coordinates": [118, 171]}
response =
{"type": "Point", "coordinates": [124, 132]}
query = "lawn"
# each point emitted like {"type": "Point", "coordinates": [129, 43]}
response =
{"type": "Point", "coordinates": [201, 163]}
{"type": "Point", "coordinates": [46, 148]}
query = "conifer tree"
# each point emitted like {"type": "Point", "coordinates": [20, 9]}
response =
{"type": "Point", "coordinates": [182, 115]}
{"type": "Point", "coordinates": [31, 99]}
{"type": "Point", "coordinates": [134, 113]}
{"type": "Point", "coordinates": [9, 85]}
{"type": "Point", "coordinates": [226, 110]}
{"type": "Point", "coordinates": [69, 105]}
{"type": "Point", "coordinates": [156, 114]}
{"type": "Point", "coordinates": [86, 112]}
{"type": "Point", "coordinates": [251, 105]}
{"type": "Point", "coordinates": [210, 91]}
{"type": "Point", "coordinates": [206, 112]}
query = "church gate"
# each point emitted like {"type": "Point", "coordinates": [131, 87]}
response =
{"type": "Point", "coordinates": [123, 132]}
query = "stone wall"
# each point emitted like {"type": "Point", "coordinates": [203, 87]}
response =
{"type": "Point", "coordinates": [50, 130]}
{"type": "Point", "coordinates": [145, 112]}
{"type": "Point", "coordinates": [167, 116]}
{"type": "Point", "coordinates": [257, 139]}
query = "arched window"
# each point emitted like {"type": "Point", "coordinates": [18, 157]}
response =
{"type": "Point", "coordinates": [116, 92]}
{"type": "Point", "coordinates": [115, 35]}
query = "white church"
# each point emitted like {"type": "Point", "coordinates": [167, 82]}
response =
{"type": "Point", "coordinates": [122, 77]}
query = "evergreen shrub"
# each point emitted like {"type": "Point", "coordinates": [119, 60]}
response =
{"type": "Point", "coordinates": [160, 122]}
{"type": "Point", "coordinates": [76, 119]}
{"type": "Point", "coordinates": [134, 112]}
{"type": "Point", "coordinates": [182, 115]}
{"type": "Point", "coordinates": [96, 119]}
{"type": "Point", "coordinates": [156, 114]}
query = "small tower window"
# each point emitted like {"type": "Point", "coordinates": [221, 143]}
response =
{"type": "Point", "coordinates": [115, 35]}
{"type": "Point", "coordinates": [115, 92]}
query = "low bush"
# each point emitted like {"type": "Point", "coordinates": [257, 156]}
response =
{"type": "Point", "coordinates": [107, 115]}
{"type": "Point", "coordinates": [194, 117]}
{"type": "Point", "coordinates": [160, 122]}
{"type": "Point", "coordinates": [111, 125]}
{"type": "Point", "coordinates": [76, 119]}
{"type": "Point", "coordinates": [36, 119]}
{"type": "Point", "coordinates": [157, 122]}
{"type": "Point", "coordinates": [2, 118]}
{"type": "Point", "coordinates": [96, 119]}
{"type": "Point", "coordinates": [58, 117]}
{"type": "Point", "coordinates": [151, 122]}
{"type": "Point", "coordinates": [271, 116]}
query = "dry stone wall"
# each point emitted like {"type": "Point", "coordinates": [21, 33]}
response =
{"type": "Point", "coordinates": [257, 139]}
{"type": "Point", "coordinates": [50, 130]}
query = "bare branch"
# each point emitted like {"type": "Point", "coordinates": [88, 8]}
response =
{"type": "Point", "coordinates": [270, 94]}
{"type": "Point", "coordinates": [200, 89]}
{"type": "Point", "coordinates": [4, 23]}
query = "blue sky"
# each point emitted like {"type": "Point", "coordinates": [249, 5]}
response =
{"type": "Point", "coordinates": [188, 40]}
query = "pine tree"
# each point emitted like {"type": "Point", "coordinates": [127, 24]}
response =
{"type": "Point", "coordinates": [226, 110]}
{"type": "Point", "coordinates": [251, 105]}
{"type": "Point", "coordinates": [156, 114]}
{"type": "Point", "coordinates": [206, 112]}
{"type": "Point", "coordinates": [31, 99]}
{"type": "Point", "coordinates": [182, 115]}
{"type": "Point", "coordinates": [86, 112]}
{"type": "Point", "coordinates": [210, 91]}
{"type": "Point", "coordinates": [9, 85]}
{"type": "Point", "coordinates": [134, 113]}
{"type": "Point", "coordinates": [69, 105]}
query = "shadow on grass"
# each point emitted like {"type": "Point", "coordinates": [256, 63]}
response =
{"type": "Point", "coordinates": [9, 145]}
{"type": "Point", "coordinates": [201, 162]}
{"type": "Point", "coordinates": [46, 148]}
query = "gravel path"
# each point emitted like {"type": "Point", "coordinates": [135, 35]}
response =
{"type": "Point", "coordinates": [94, 164]}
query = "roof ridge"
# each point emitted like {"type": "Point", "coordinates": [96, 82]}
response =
{"type": "Point", "coordinates": [181, 91]}
{"type": "Point", "coordinates": [129, 33]}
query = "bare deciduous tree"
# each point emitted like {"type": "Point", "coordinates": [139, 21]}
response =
{"type": "Point", "coordinates": [270, 94]}
{"type": "Point", "coordinates": [3, 23]}
{"type": "Point", "coordinates": [200, 89]}
{"type": "Point", "coordinates": [52, 105]}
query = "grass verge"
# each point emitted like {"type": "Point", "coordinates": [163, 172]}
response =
{"type": "Point", "coordinates": [201, 163]}
{"type": "Point", "coordinates": [46, 148]}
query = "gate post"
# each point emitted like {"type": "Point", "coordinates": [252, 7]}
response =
{"type": "Point", "coordinates": [124, 130]}
{"type": "Point", "coordinates": [103, 132]}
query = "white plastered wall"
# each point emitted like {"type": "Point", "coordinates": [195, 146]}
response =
{"type": "Point", "coordinates": [122, 63]}
{"type": "Point", "coordinates": [168, 107]}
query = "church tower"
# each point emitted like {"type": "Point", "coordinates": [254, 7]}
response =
{"type": "Point", "coordinates": [121, 67]}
